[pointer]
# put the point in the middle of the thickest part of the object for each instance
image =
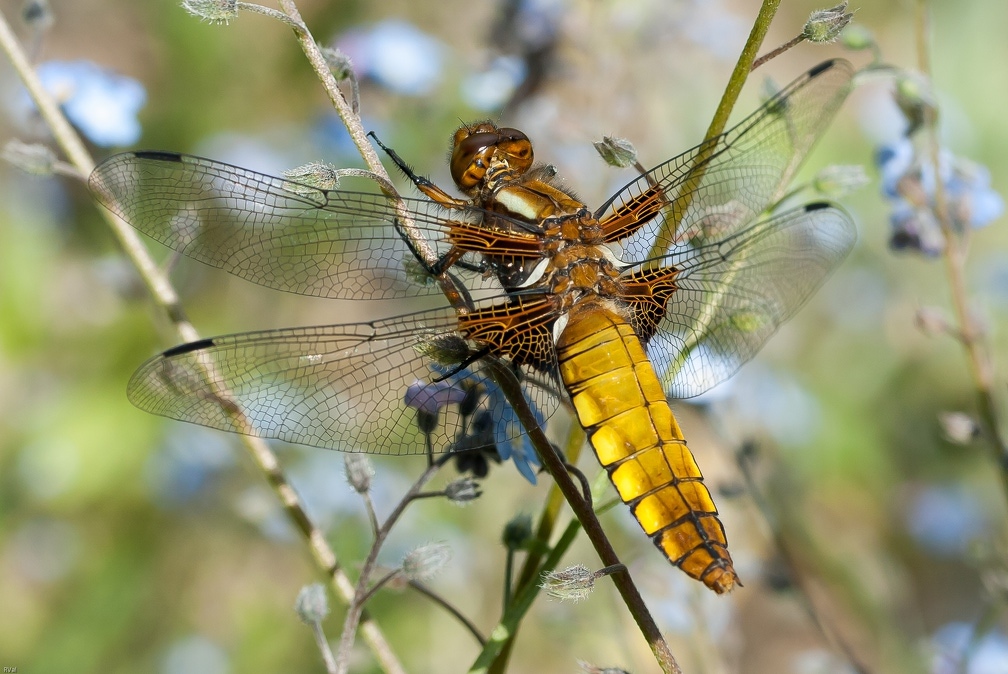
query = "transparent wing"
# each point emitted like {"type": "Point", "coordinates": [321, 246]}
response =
{"type": "Point", "coordinates": [720, 187]}
{"type": "Point", "coordinates": [340, 387]}
{"type": "Point", "coordinates": [731, 296]}
{"type": "Point", "coordinates": [275, 232]}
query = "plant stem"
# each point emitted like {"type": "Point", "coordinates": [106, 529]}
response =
{"type": "Point", "coordinates": [956, 249]}
{"type": "Point", "coordinates": [529, 574]}
{"type": "Point", "coordinates": [718, 122]}
{"type": "Point", "coordinates": [443, 603]}
{"type": "Point", "coordinates": [167, 300]}
{"type": "Point", "coordinates": [355, 612]}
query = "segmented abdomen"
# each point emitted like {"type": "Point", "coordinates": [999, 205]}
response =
{"type": "Point", "coordinates": [621, 405]}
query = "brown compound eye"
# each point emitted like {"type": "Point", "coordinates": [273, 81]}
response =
{"type": "Point", "coordinates": [474, 149]}
{"type": "Point", "coordinates": [516, 147]}
{"type": "Point", "coordinates": [471, 155]}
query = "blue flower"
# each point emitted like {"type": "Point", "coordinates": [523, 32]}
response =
{"type": "Point", "coordinates": [397, 55]}
{"type": "Point", "coordinates": [959, 647]}
{"type": "Point", "coordinates": [99, 102]}
{"type": "Point", "coordinates": [908, 181]}
{"type": "Point", "coordinates": [494, 421]}
{"type": "Point", "coordinates": [510, 444]}
{"type": "Point", "coordinates": [430, 398]}
{"type": "Point", "coordinates": [946, 520]}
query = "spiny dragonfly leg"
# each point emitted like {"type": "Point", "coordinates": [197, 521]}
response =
{"type": "Point", "coordinates": [422, 184]}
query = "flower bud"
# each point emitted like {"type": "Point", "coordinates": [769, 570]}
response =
{"type": "Point", "coordinates": [618, 152]}
{"type": "Point", "coordinates": [916, 100]}
{"type": "Point", "coordinates": [824, 25]}
{"type": "Point", "coordinates": [517, 532]}
{"type": "Point", "coordinates": [218, 12]}
{"type": "Point", "coordinates": [339, 63]}
{"type": "Point", "coordinates": [358, 471]}
{"type": "Point", "coordinates": [463, 491]}
{"type": "Point", "coordinates": [574, 583]}
{"type": "Point", "coordinates": [959, 428]}
{"type": "Point", "coordinates": [856, 37]}
{"type": "Point", "coordinates": [312, 605]}
{"type": "Point", "coordinates": [32, 158]}
{"type": "Point", "coordinates": [840, 180]}
{"type": "Point", "coordinates": [37, 14]}
{"type": "Point", "coordinates": [314, 174]}
{"type": "Point", "coordinates": [424, 562]}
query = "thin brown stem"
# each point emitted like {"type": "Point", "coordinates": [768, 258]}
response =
{"type": "Point", "coordinates": [774, 53]}
{"type": "Point", "coordinates": [355, 613]}
{"type": "Point", "coordinates": [167, 300]}
{"type": "Point", "coordinates": [955, 253]}
{"type": "Point", "coordinates": [443, 603]}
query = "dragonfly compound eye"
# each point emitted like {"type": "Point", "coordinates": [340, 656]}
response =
{"type": "Point", "coordinates": [471, 156]}
{"type": "Point", "coordinates": [476, 148]}
{"type": "Point", "coordinates": [516, 149]}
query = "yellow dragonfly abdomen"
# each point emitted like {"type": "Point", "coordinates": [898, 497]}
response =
{"type": "Point", "coordinates": [621, 405]}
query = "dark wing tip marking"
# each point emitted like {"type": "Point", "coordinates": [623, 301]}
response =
{"type": "Point", "coordinates": [159, 155]}
{"type": "Point", "coordinates": [817, 206]}
{"type": "Point", "coordinates": [198, 345]}
{"type": "Point", "coordinates": [822, 67]}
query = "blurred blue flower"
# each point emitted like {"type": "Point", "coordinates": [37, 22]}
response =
{"type": "Point", "coordinates": [397, 55]}
{"type": "Point", "coordinates": [956, 649]}
{"type": "Point", "coordinates": [102, 104]}
{"type": "Point", "coordinates": [188, 462]}
{"type": "Point", "coordinates": [908, 181]}
{"type": "Point", "coordinates": [493, 87]}
{"type": "Point", "coordinates": [945, 520]}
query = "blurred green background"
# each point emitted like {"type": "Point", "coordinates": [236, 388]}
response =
{"type": "Point", "coordinates": [129, 543]}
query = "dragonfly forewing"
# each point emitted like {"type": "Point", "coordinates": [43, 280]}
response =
{"type": "Point", "coordinates": [275, 232]}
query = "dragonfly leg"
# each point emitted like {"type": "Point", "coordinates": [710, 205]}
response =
{"type": "Point", "coordinates": [422, 184]}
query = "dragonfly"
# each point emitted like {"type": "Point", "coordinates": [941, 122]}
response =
{"type": "Point", "coordinates": [662, 292]}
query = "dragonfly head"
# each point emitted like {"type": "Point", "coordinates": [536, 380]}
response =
{"type": "Point", "coordinates": [476, 148]}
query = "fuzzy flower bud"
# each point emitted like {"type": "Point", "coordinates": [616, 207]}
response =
{"type": "Point", "coordinates": [314, 174]}
{"type": "Point", "coordinates": [32, 158]}
{"type": "Point", "coordinates": [916, 101]}
{"type": "Point", "coordinates": [358, 471]}
{"type": "Point", "coordinates": [424, 562]}
{"type": "Point", "coordinates": [517, 532]}
{"type": "Point", "coordinates": [574, 583]}
{"type": "Point", "coordinates": [824, 25]}
{"type": "Point", "coordinates": [618, 152]}
{"type": "Point", "coordinates": [312, 605]}
{"type": "Point", "coordinates": [463, 491]}
{"type": "Point", "coordinates": [339, 63]}
{"type": "Point", "coordinates": [37, 14]}
{"type": "Point", "coordinates": [217, 12]}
